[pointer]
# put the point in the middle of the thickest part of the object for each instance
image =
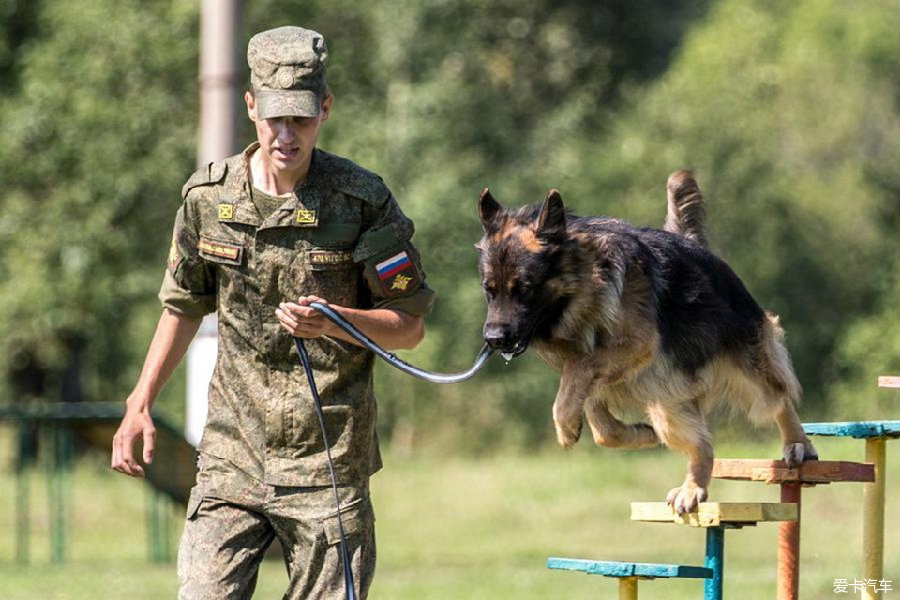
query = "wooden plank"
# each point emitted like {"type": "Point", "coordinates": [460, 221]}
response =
{"type": "Point", "coordinates": [627, 569]}
{"type": "Point", "coordinates": [887, 381]}
{"type": "Point", "coordinates": [873, 516]}
{"type": "Point", "coordinates": [776, 471]}
{"type": "Point", "coordinates": [857, 429]}
{"type": "Point", "coordinates": [712, 514]}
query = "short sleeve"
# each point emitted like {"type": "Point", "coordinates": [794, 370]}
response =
{"type": "Point", "coordinates": [189, 285]}
{"type": "Point", "coordinates": [392, 267]}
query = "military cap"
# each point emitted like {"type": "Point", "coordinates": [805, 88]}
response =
{"type": "Point", "coordinates": [287, 72]}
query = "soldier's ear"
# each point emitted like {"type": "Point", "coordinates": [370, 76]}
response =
{"type": "Point", "coordinates": [250, 101]}
{"type": "Point", "coordinates": [552, 218]}
{"type": "Point", "coordinates": [488, 208]}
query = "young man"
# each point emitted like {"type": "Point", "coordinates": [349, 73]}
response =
{"type": "Point", "coordinates": [261, 235]}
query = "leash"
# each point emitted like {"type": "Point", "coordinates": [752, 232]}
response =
{"type": "Point", "coordinates": [345, 554]}
{"type": "Point", "coordinates": [392, 360]}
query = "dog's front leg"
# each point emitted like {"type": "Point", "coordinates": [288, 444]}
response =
{"type": "Point", "coordinates": [569, 404]}
{"type": "Point", "coordinates": [610, 432]}
{"type": "Point", "coordinates": [682, 427]}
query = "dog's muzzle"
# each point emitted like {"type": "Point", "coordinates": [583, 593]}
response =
{"type": "Point", "coordinates": [501, 339]}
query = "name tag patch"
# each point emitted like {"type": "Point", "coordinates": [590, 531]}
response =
{"type": "Point", "coordinates": [324, 259]}
{"type": "Point", "coordinates": [220, 251]}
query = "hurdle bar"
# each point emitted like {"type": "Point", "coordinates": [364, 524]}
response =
{"type": "Point", "coordinates": [628, 573]}
{"type": "Point", "coordinates": [808, 474]}
{"type": "Point", "coordinates": [716, 517]}
{"type": "Point", "coordinates": [876, 434]}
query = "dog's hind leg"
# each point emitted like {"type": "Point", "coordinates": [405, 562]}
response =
{"type": "Point", "coordinates": [796, 447]}
{"type": "Point", "coordinates": [612, 433]}
{"type": "Point", "coordinates": [782, 389]}
{"type": "Point", "coordinates": [683, 428]}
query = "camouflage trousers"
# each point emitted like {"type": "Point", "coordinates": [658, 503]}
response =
{"type": "Point", "coordinates": [232, 519]}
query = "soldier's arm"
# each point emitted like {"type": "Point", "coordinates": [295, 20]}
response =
{"type": "Point", "coordinates": [391, 329]}
{"type": "Point", "coordinates": [170, 342]}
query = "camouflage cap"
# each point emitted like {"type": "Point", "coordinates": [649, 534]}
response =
{"type": "Point", "coordinates": [287, 71]}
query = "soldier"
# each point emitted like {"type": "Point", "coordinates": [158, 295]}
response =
{"type": "Point", "coordinates": [259, 236]}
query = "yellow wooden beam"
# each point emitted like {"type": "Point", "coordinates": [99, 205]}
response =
{"type": "Point", "coordinates": [712, 514]}
{"type": "Point", "coordinates": [628, 588]}
{"type": "Point", "coordinates": [873, 516]}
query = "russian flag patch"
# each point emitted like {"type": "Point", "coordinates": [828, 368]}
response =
{"type": "Point", "coordinates": [393, 265]}
{"type": "Point", "coordinates": [396, 275]}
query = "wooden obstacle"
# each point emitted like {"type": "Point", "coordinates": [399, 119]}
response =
{"type": "Point", "coordinates": [714, 517]}
{"type": "Point", "coordinates": [791, 481]}
{"type": "Point", "coordinates": [876, 434]}
{"type": "Point", "coordinates": [628, 573]}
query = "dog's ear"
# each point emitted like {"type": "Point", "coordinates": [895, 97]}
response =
{"type": "Point", "coordinates": [552, 218]}
{"type": "Point", "coordinates": [488, 208]}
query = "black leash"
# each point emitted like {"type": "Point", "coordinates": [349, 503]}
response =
{"type": "Point", "coordinates": [392, 360]}
{"type": "Point", "coordinates": [345, 554]}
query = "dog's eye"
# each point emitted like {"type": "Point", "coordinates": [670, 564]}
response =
{"type": "Point", "coordinates": [489, 291]}
{"type": "Point", "coordinates": [523, 288]}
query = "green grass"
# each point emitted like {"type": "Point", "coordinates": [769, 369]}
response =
{"type": "Point", "coordinates": [462, 528]}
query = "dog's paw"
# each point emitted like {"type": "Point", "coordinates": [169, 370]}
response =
{"type": "Point", "coordinates": [796, 453]}
{"type": "Point", "coordinates": [684, 499]}
{"type": "Point", "coordinates": [567, 435]}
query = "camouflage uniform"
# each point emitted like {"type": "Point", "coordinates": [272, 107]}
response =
{"type": "Point", "coordinates": [263, 470]}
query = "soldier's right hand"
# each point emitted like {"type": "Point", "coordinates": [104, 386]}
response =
{"type": "Point", "coordinates": [135, 424]}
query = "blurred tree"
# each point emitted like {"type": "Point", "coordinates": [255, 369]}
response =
{"type": "Point", "coordinates": [788, 114]}
{"type": "Point", "coordinates": [787, 111]}
{"type": "Point", "coordinates": [870, 347]}
{"type": "Point", "coordinates": [98, 128]}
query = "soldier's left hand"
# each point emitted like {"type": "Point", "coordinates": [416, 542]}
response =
{"type": "Point", "coordinates": [298, 319]}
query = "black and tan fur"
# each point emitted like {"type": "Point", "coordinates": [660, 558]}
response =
{"type": "Point", "coordinates": [637, 320]}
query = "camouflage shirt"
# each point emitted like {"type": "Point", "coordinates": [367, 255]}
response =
{"type": "Point", "coordinates": [342, 237]}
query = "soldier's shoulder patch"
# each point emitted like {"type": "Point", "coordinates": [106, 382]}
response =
{"type": "Point", "coordinates": [398, 274]}
{"type": "Point", "coordinates": [210, 174]}
{"type": "Point", "coordinates": [175, 257]}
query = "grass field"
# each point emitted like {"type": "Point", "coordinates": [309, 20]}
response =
{"type": "Point", "coordinates": [467, 528]}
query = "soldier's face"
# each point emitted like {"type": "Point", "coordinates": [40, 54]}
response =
{"type": "Point", "coordinates": [287, 142]}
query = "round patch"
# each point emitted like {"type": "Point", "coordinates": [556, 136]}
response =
{"type": "Point", "coordinates": [285, 78]}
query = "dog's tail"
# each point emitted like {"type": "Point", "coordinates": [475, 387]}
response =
{"type": "Point", "coordinates": [686, 214]}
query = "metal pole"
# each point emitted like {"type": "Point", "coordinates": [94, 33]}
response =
{"type": "Point", "coordinates": [218, 83]}
{"type": "Point", "coordinates": [217, 140]}
{"type": "Point", "coordinates": [715, 560]}
{"type": "Point", "coordinates": [23, 473]}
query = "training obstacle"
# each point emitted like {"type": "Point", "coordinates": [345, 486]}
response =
{"type": "Point", "coordinates": [791, 481]}
{"type": "Point", "coordinates": [714, 517]}
{"type": "Point", "coordinates": [628, 573]}
{"type": "Point", "coordinates": [58, 425]}
{"type": "Point", "coordinates": [876, 434]}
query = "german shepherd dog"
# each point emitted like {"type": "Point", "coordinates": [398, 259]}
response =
{"type": "Point", "coordinates": [637, 320]}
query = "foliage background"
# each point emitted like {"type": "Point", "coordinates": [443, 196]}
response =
{"type": "Point", "coordinates": [787, 112]}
